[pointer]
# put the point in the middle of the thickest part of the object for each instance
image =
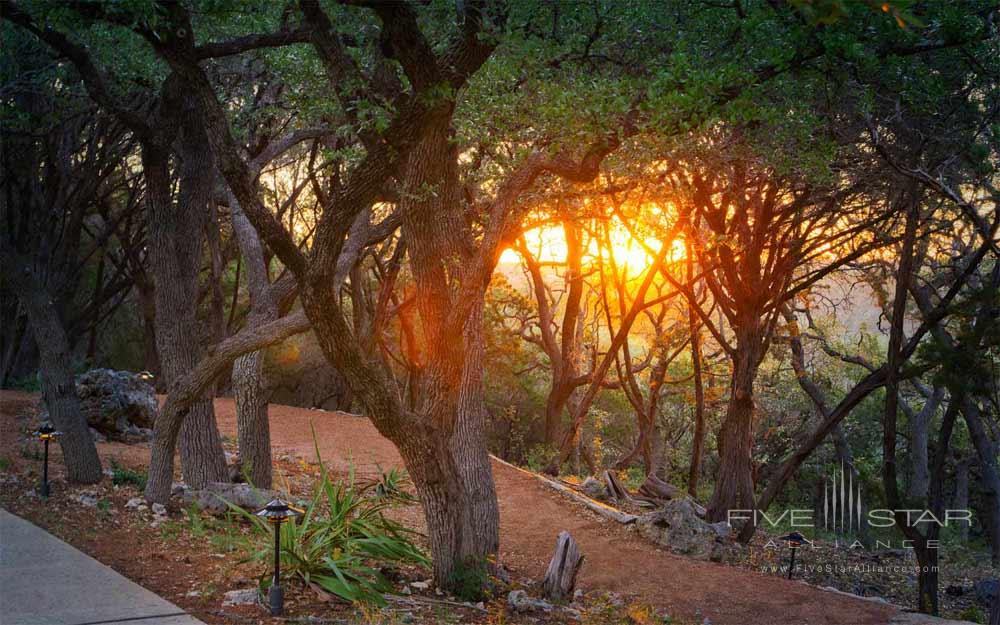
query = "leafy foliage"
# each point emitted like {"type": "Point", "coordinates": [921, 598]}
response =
{"type": "Point", "coordinates": [125, 476]}
{"type": "Point", "coordinates": [342, 537]}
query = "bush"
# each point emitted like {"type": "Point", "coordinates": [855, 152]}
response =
{"type": "Point", "coordinates": [470, 580]}
{"type": "Point", "coordinates": [341, 538]}
{"type": "Point", "coordinates": [123, 475]}
{"type": "Point", "coordinates": [539, 456]}
{"type": "Point", "coordinates": [973, 614]}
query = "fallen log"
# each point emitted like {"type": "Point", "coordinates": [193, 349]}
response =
{"type": "Point", "coordinates": [604, 510]}
{"type": "Point", "coordinates": [560, 577]}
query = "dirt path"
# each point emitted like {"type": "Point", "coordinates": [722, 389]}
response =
{"type": "Point", "coordinates": [531, 516]}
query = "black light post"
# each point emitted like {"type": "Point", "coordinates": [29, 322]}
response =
{"type": "Point", "coordinates": [794, 541]}
{"type": "Point", "coordinates": [277, 512]}
{"type": "Point", "coordinates": [46, 433]}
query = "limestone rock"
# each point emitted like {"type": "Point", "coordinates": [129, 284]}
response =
{"type": "Point", "coordinates": [117, 404]}
{"type": "Point", "coordinates": [214, 496]}
{"type": "Point", "coordinates": [594, 489]}
{"type": "Point", "coordinates": [520, 601]}
{"type": "Point", "coordinates": [135, 502]}
{"type": "Point", "coordinates": [244, 596]}
{"type": "Point", "coordinates": [678, 527]}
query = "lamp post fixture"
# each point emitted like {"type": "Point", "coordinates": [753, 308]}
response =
{"type": "Point", "coordinates": [46, 433]}
{"type": "Point", "coordinates": [794, 541]}
{"type": "Point", "coordinates": [277, 512]}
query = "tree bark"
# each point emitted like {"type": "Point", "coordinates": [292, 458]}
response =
{"type": "Point", "coordinates": [694, 328]}
{"type": "Point", "coordinates": [734, 487]}
{"type": "Point", "coordinates": [560, 576]}
{"type": "Point", "coordinates": [986, 453]}
{"type": "Point", "coordinates": [468, 446]}
{"type": "Point", "coordinates": [920, 423]}
{"type": "Point", "coordinates": [927, 577]}
{"type": "Point", "coordinates": [249, 387]}
{"type": "Point", "coordinates": [58, 382]}
{"type": "Point", "coordinates": [961, 498]}
{"type": "Point", "coordinates": [187, 390]}
{"type": "Point", "coordinates": [175, 235]}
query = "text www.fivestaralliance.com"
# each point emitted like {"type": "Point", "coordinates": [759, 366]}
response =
{"type": "Point", "coordinates": [847, 568]}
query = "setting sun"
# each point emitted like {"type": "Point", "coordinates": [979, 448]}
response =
{"type": "Point", "coordinates": [548, 245]}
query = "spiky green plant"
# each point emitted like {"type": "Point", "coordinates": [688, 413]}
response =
{"type": "Point", "coordinates": [341, 538]}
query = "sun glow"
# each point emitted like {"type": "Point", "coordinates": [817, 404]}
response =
{"type": "Point", "coordinates": [548, 245]}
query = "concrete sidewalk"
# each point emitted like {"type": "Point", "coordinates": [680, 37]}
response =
{"type": "Point", "coordinates": [44, 581]}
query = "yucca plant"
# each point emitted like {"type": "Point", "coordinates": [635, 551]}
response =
{"type": "Point", "coordinates": [342, 536]}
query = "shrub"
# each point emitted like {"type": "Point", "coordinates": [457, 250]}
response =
{"type": "Point", "coordinates": [123, 475]}
{"type": "Point", "coordinates": [470, 580]}
{"type": "Point", "coordinates": [973, 614]}
{"type": "Point", "coordinates": [341, 538]}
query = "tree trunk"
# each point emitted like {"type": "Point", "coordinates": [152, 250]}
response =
{"type": "Point", "coordinates": [560, 576]}
{"type": "Point", "coordinates": [249, 388]}
{"type": "Point", "coordinates": [961, 499]}
{"type": "Point", "coordinates": [13, 342]}
{"type": "Point", "coordinates": [58, 382]}
{"type": "Point", "coordinates": [252, 427]}
{"type": "Point", "coordinates": [927, 578]}
{"type": "Point", "coordinates": [150, 357]}
{"type": "Point", "coordinates": [468, 447]}
{"type": "Point", "coordinates": [175, 236]}
{"type": "Point", "coordinates": [990, 475]}
{"type": "Point", "coordinates": [698, 441]}
{"type": "Point", "coordinates": [735, 488]}
{"type": "Point", "coordinates": [995, 611]}
{"type": "Point", "coordinates": [920, 423]}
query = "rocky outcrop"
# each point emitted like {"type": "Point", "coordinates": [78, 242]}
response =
{"type": "Point", "coordinates": [678, 527]}
{"type": "Point", "coordinates": [118, 405]}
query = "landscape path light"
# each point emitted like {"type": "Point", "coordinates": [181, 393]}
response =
{"type": "Point", "coordinates": [794, 541]}
{"type": "Point", "coordinates": [46, 433]}
{"type": "Point", "coordinates": [277, 512]}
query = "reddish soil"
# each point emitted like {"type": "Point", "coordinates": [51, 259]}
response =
{"type": "Point", "coordinates": [531, 517]}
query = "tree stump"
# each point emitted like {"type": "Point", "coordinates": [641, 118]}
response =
{"type": "Point", "coordinates": [616, 490]}
{"type": "Point", "coordinates": [560, 577]}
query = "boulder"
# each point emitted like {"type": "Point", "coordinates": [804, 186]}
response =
{"type": "Point", "coordinates": [244, 596]}
{"type": "Point", "coordinates": [520, 601]}
{"type": "Point", "coordinates": [214, 496]}
{"type": "Point", "coordinates": [678, 527]}
{"type": "Point", "coordinates": [594, 489]}
{"type": "Point", "coordinates": [117, 404]}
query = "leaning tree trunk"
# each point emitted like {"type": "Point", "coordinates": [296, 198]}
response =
{"type": "Point", "coordinates": [175, 236]}
{"type": "Point", "coordinates": [734, 488]}
{"type": "Point", "coordinates": [58, 383]}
